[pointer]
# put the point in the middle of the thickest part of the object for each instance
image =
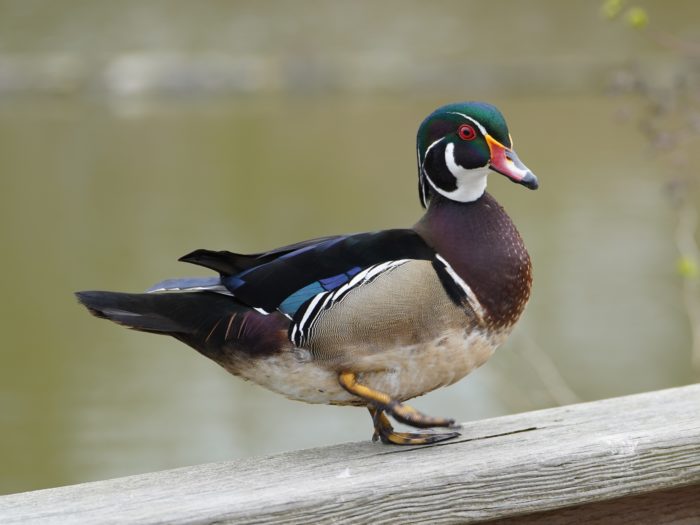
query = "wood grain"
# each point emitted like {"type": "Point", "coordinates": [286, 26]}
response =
{"type": "Point", "coordinates": [679, 506]}
{"type": "Point", "coordinates": [510, 466]}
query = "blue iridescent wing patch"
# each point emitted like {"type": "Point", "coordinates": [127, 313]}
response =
{"type": "Point", "coordinates": [292, 303]}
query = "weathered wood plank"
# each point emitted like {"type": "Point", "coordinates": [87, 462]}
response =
{"type": "Point", "coordinates": [679, 506]}
{"type": "Point", "coordinates": [503, 467]}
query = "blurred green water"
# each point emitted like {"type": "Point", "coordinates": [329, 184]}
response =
{"type": "Point", "coordinates": [105, 190]}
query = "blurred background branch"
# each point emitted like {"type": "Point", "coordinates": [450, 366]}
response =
{"type": "Point", "coordinates": [666, 110]}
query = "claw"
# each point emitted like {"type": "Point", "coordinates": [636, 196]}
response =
{"type": "Point", "coordinates": [417, 438]}
{"type": "Point", "coordinates": [384, 431]}
{"type": "Point", "coordinates": [410, 416]}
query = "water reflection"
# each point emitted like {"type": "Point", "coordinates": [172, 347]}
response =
{"type": "Point", "coordinates": [94, 199]}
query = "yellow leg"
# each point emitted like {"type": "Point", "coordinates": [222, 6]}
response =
{"type": "Point", "coordinates": [379, 402]}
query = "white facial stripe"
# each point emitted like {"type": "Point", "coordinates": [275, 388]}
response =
{"type": "Point", "coordinates": [471, 184]}
{"type": "Point", "coordinates": [421, 182]}
{"type": "Point", "coordinates": [469, 187]}
{"type": "Point", "coordinates": [476, 122]}
{"type": "Point", "coordinates": [421, 162]}
{"type": "Point", "coordinates": [452, 165]}
{"type": "Point", "coordinates": [431, 146]}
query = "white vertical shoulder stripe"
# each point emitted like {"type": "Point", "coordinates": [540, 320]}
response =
{"type": "Point", "coordinates": [471, 297]}
{"type": "Point", "coordinates": [311, 307]}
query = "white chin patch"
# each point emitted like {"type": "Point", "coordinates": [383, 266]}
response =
{"type": "Point", "coordinates": [471, 184]}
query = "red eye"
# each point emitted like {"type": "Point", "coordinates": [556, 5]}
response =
{"type": "Point", "coordinates": [466, 132]}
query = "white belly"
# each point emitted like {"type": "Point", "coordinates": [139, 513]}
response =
{"type": "Point", "coordinates": [402, 372]}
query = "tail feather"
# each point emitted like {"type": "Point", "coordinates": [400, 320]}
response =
{"type": "Point", "coordinates": [131, 310]}
{"type": "Point", "coordinates": [209, 322]}
{"type": "Point", "coordinates": [190, 284]}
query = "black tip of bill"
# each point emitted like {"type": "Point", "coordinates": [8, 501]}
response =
{"type": "Point", "coordinates": [529, 181]}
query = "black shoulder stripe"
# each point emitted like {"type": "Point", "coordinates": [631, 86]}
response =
{"type": "Point", "coordinates": [454, 292]}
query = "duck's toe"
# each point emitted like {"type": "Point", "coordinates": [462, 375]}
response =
{"type": "Point", "coordinates": [416, 438]}
{"type": "Point", "coordinates": [410, 416]}
{"type": "Point", "coordinates": [385, 432]}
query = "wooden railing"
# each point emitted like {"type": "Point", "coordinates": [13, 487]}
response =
{"type": "Point", "coordinates": [633, 459]}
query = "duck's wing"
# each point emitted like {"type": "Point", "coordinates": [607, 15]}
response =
{"type": "Point", "coordinates": [295, 277]}
{"type": "Point", "coordinates": [227, 264]}
{"type": "Point", "coordinates": [230, 263]}
{"type": "Point", "coordinates": [286, 278]}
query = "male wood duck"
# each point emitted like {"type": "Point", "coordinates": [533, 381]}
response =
{"type": "Point", "coordinates": [370, 319]}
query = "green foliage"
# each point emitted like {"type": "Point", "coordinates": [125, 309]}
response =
{"type": "Point", "coordinates": [634, 16]}
{"type": "Point", "coordinates": [611, 8]}
{"type": "Point", "coordinates": [637, 17]}
{"type": "Point", "coordinates": [668, 114]}
{"type": "Point", "coordinates": [687, 267]}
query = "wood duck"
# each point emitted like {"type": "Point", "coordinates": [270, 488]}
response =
{"type": "Point", "coordinates": [370, 319]}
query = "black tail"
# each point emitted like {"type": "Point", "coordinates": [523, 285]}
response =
{"type": "Point", "coordinates": [175, 313]}
{"type": "Point", "coordinates": [208, 322]}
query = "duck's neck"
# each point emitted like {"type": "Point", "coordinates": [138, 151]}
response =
{"type": "Point", "coordinates": [482, 245]}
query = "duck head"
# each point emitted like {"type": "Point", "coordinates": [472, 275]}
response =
{"type": "Point", "coordinates": [459, 145]}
